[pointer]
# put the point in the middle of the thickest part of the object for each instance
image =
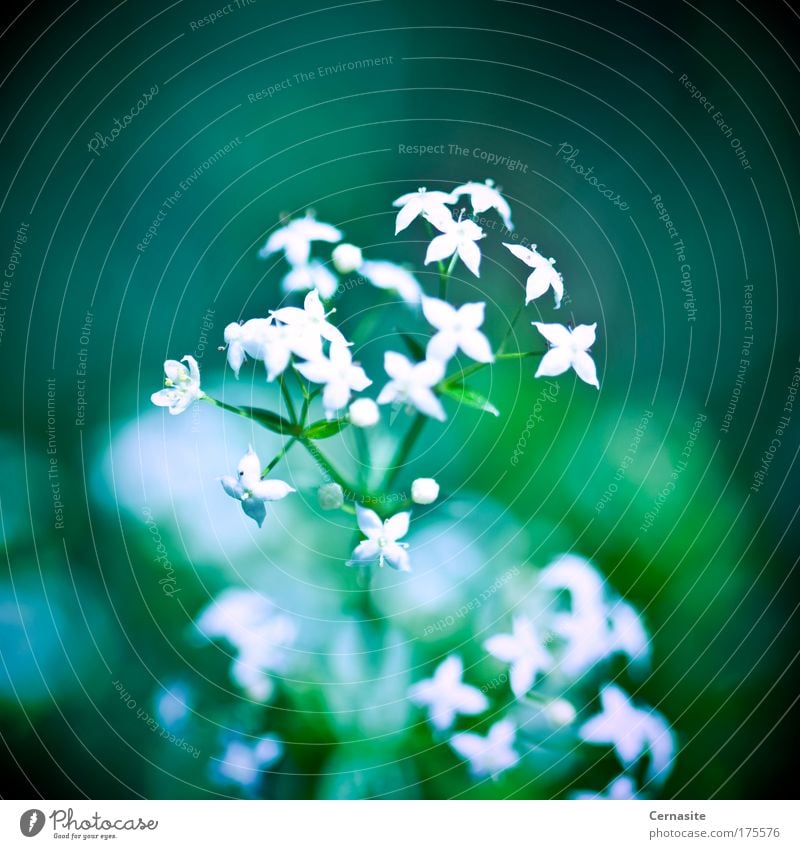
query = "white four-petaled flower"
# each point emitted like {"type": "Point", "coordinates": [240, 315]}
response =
{"type": "Point", "coordinates": [388, 275]}
{"type": "Point", "coordinates": [524, 651]}
{"type": "Point", "coordinates": [296, 236]}
{"type": "Point", "coordinates": [243, 762]}
{"type": "Point", "coordinates": [456, 328]}
{"type": "Point", "coordinates": [489, 755]}
{"type": "Point", "coordinates": [338, 374]}
{"type": "Point", "coordinates": [632, 732]}
{"type": "Point", "coordinates": [485, 196]}
{"type": "Point", "coordinates": [381, 544]}
{"type": "Point", "coordinates": [446, 695]}
{"type": "Point", "coordinates": [311, 319]}
{"type": "Point", "coordinates": [569, 349]}
{"type": "Point", "coordinates": [456, 236]}
{"type": "Point", "coordinates": [544, 275]}
{"type": "Point", "coordinates": [251, 490]}
{"type": "Point", "coordinates": [420, 202]}
{"type": "Point", "coordinates": [181, 386]}
{"type": "Point", "coordinates": [411, 383]}
{"type": "Point", "coordinates": [313, 275]}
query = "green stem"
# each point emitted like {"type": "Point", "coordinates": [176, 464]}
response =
{"type": "Point", "coordinates": [278, 457]}
{"type": "Point", "coordinates": [404, 449]}
{"type": "Point", "coordinates": [363, 457]}
{"type": "Point", "coordinates": [514, 320]}
{"type": "Point", "coordinates": [287, 397]}
{"type": "Point", "coordinates": [475, 367]}
{"type": "Point", "coordinates": [332, 472]}
{"type": "Point", "coordinates": [443, 278]}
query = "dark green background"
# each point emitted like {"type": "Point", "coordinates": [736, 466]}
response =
{"type": "Point", "coordinates": [715, 575]}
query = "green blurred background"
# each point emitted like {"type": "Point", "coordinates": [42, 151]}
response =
{"type": "Point", "coordinates": [81, 606]}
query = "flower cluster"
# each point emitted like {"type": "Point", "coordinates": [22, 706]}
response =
{"type": "Point", "coordinates": [546, 654]}
{"type": "Point", "coordinates": [304, 349]}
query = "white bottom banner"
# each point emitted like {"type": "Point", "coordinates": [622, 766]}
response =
{"type": "Point", "coordinates": [405, 825]}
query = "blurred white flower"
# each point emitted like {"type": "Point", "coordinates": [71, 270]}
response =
{"type": "Point", "coordinates": [411, 383]}
{"type": "Point", "coordinates": [310, 320]}
{"type": "Point", "coordinates": [381, 543]}
{"type": "Point", "coordinates": [446, 695]}
{"type": "Point", "coordinates": [296, 236]}
{"type": "Point", "coordinates": [489, 755]}
{"type": "Point", "coordinates": [389, 275]}
{"type": "Point", "coordinates": [271, 343]}
{"type": "Point", "coordinates": [338, 374]}
{"type": "Point", "coordinates": [622, 787]}
{"type": "Point", "coordinates": [569, 349]}
{"type": "Point", "coordinates": [330, 496]}
{"type": "Point", "coordinates": [251, 490]}
{"type": "Point", "coordinates": [258, 631]}
{"type": "Point", "coordinates": [632, 732]}
{"type": "Point", "coordinates": [242, 763]}
{"type": "Point", "coordinates": [485, 196]}
{"type": "Point", "coordinates": [364, 412]}
{"type": "Point", "coordinates": [346, 258]}
{"type": "Point", "coordinates": [315, 276]}
{"type": "Point", "coordinates": [456, 328]}
{"type": "Point", "coordinates": [524, 651]}
{"type": "Point", "coordinates": [560, 712]}
{"type": "Point", "coordinates": [172, 705]}
{"type": "Point", "coordinates": [424, 491]}
{"type": "Point", "coordinates": [544, 275]}
{"type": "Point", "coordinates": [416, 203]}
{"type": "Point", "coordinates": [627, 634]}
{"type": "Point", "coordinates": [181, 386]}
{"type": "Point", "coordinates": [457, 236]}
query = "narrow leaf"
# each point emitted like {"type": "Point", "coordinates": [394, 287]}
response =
{"type": "Point", "coordinates": [324, 429]}
{"type": "Point", "coordinates": [464, 395]}
{"type": "Point", "coordinates": [271, 421]}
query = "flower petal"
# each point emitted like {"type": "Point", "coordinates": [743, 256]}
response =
{"type": "Point", "coordinates": [556, 334]}
{"type": "Point", "coordinates": [441, 247]}
{"type": "Point", "coordinates": [585, 368]}
{"type": "Point", "coordinates": [584, 335]}
{"type": "Point", "coordinates": [474, 344]}
{"type": "Point", "coordinates": [470, 254]}
{"type": "Point", "coordinates": [369, 522]}
{"type": "Point", "coordinates": [271, 489]}
{"type": "Point", "coordinates": [439, 313]}
{"type": "Point", "coordinates": [396, 527]}
{"type": "Point", "coordinates": [556, 361]}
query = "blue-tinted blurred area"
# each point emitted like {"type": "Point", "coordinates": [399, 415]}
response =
{"type": "Point", "coordinates": [149, 150]}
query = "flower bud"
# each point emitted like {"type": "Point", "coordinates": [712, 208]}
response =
{"type": "Point", "coordinates": [561, 712]}
{"type": "Point", "coordinates": [346, 258]}
{"type": "Point", "coordinates": [331, 496]}
{"type": "Point", "coordinates": [364, 412]}
{"type": "Point", "coordinates": [424, 491]}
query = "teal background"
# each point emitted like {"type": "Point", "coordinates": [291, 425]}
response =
{"type": "Point", "coordinates": [715, 575]}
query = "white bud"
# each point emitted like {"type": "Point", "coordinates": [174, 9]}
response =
{"type": "Point", "coordinates": [346, 258]}
{"type": "Point", "coordinates": [424, 491]}
{"type": "Point", "coordinates": [331, 496]}
{"type": "Point", "coordinates": [364, 412]}
{"type": "Point", "coordinates": [561, 712]}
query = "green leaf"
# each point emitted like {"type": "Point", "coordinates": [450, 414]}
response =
{"type": "Point", "coordinates": [324, 429]}
{"type": "Point", "coordinates": [462, 394]}
{"type": "Point", "coordinates": [415, 349]}
{"type": "Point", "coordinates": [271, 421]}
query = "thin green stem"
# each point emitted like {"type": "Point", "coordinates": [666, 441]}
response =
{"type": "Point", "coordinates": [363, 456]}
{"type": "Point", "coordinates": [287, 397]}
{"type": "Point", "coordinates": [278, 457]}
{"type": "Point", "coordinates": [333, 473]}
{"type": "Point", "coordinates": [476, 367]}
{"type": "Point", "coordinates": [444, 278]}
{"type": "Point", "coordinates": [510, 330]}
{"type": "Point", "coordinates": [404, 449]}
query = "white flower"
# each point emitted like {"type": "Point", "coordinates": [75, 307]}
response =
{"type": "Point", "coordinates": [273, 344]}
{"type": "Point", "coordinates": [627, 634]}
{"type": "Point", "coordinates": [346, 258]}
{"type": "Point", "coordinates": [580, 578]}
{"type": "Point", "coordinates": [456, 328]}
{"type": "Point", "coordinates": [416, 203]}
{"type": "Point", "coordinates": [314, 276]}
{"type": "Point", "coordinates": [295, 238]}
{"type": "Point", "coordinates": [569, 349]}
{"type": "Point", "coordinates": [446, 695]}
{"type": "Point", "coordinates": [331, 496]}
{"type": "Point", "coordinates": [311, 320]}
{"type": "Point", "coordinates": [457, 236]}
{"type": "Point", "coordinates": [524, 651]}
{"type": "Point", "coordinates": [632, 731]}
{"type": "Point", "coordinates": [338, 374]}
{"type": "Point", "coordinates": [543, 276]}
{"type": "Point", "coordinates": [364, 412]}
{"type": "Point", "coordinates": [381, 543]}
{"type": "Point", "coordinates": [485, 196]}
{"type": "Point", "coordinates": [424, 491]}
{"type": "Point", "coordinates": [389, 275]}
{"type": "Point", "coordinates": [489, 755]}
{"type": "Point", "coordinates": [622, 787]}
{"type": "Point", "coordinates": [181, 386]}
{"type": "Point", "coordinates": [251, 490]}
{"type": "Point", "coordinates": [242, 762]}
{"type": "Point", "coordinates": [411, 384]}
{"type": "Point", "coordinates": [258, 631]}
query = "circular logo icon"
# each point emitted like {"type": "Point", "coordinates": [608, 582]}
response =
{"type": "Point", "coordinates": [31, 822]}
